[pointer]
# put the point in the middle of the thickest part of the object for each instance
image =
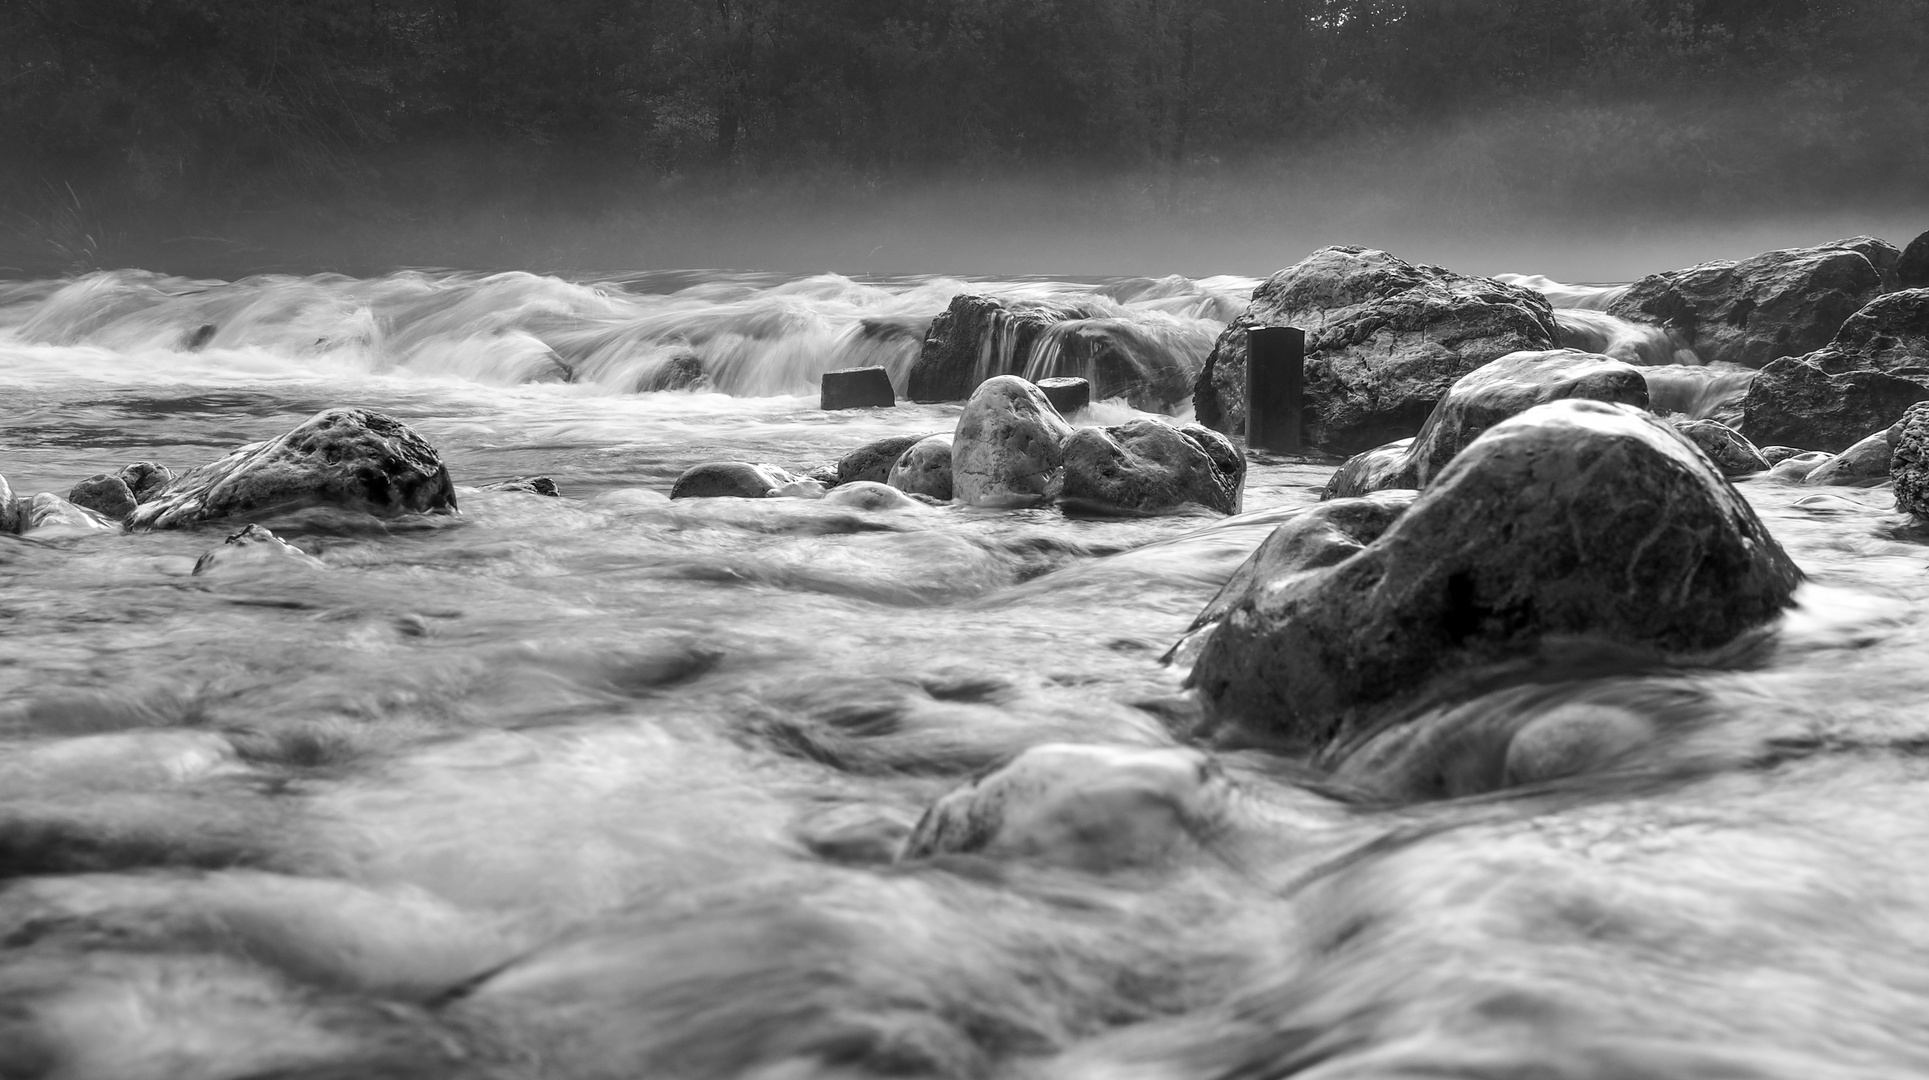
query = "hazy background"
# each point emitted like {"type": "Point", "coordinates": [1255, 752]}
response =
{"type": "Point", "coordinates": [1586, 139]}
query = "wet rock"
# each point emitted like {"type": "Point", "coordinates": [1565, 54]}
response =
{"type": "Point", "coordinates": [146, 479]}
{"type": "Point", "coordinates": [801, 488]}
{"type": "Point", "coordinates": [48, 511]}
{"type": "Point", "coordinates": [255, 548]}
{"type": "Point", "coordinates": [550, 368]}
{"type": "Point", "coordinates": [529, 485]}
{"type": "Point", "coordinates": [856, 388]}
{"type": "Point", "coordinates": [1067, 394]}
{"type": "Point", "coordinates": [1733, 454]}
{"type": "Point", "coordinates": [1008, 449]}
{"type": "Point", "coordinates": [1091, 808]}
{"type": "Point", "coordinates": [1482, 398]}
{"type": "Point", "coordinates": [1574, 740]}
{"type": "Point", "coordinates": [1909, 461]}
{"type": "Point", "coordinates": [870, 495]}
{"type": "Point", "coordinates": [1912, 269]}
{"type": "Point", "coordinates": [1147, 467]}
{"type": "Point", "coordinates": [1775, 455]}
{"type": "Point", "coordinates": [729, 479]}
{"type": "Point", "coordinates": [1123, 359]}
{"type": "Point", "coordinates": [1865, 464]}
{"type": "Point", "coordinates": [1487, 567]}
{"type": "Point", "coordinates": [197, 339]}
{"type": "Point", "coordinates": [1798, 403]}
{"type": "Point", "coordinates": [1385, 339]}
{"type": "Point", "coordinates": [106, 495]}
{"type": "Point", "coordinates": [925, 468]}
{"type": "Point", "coordinates": [1794, 470]}
{"type": "Point", "coordinates": [349, 458]}
{"type": "Point", "coordinates": [13, 511]}
{"type": "Point", "coordinates": [1881, 254]}
{"type": "Point", "coordinates": [680, 372]}
{"type": "Point", "coordinates": [978, 337]}
{"type": "Point", "coordinates": [1776, 304]}
{"type": "Point", "coordinates": [873, 460]}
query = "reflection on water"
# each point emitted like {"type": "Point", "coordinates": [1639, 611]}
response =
{"type": "Point", "coordinates": [612, 786]}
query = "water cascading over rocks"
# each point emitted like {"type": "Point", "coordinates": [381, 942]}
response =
{"type": "Point", "coordinates": [1576, 525]}
{"type": "Point", "coordinates": [1385, 339]}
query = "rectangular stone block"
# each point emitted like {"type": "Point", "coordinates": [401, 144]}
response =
{"type": "Point", "coordinates": [1275, 388]}
{"type": "Point", "coordinates": [856, 388]}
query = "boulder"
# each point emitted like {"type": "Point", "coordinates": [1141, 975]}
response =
{"type": "Point", "coordinates": [1798, 403]}
{"type": "Point", "coordinates": [13, 511]}
{"type": "Point", "coordinates": [1881, 254]}
{"type": "Point", "coordinates": [1008, 450]}
{"type": "Point", "coordinates": [528, 485]}
{"type": "Point", "coordinates": [1484, 397]}
{"type": "Point", "coordinates": [1488, 568]}
{"type": "Point", "coordinates": [1865, 464]}
{"type": "Point", "coordinates": [146, 479]}
{"type": "Point", "coordinates": [1385, 339]}
{"type": "Point", "coordinates": [1776, 304]}
{"type": "Point", "coordinates": [1147, 364]}
{"type": "Point", "coordinates": [1912, 269]}
{"type": "Point", "coordinates": [1147, 467]}
{"type": "Point", "coordinates": [680, 372]}
{"type": "Point", "coordinates": [977, 337]}
{"type": "Point", "coordinates": [1067, 394]}
{"type": "Point", "coordinates": [1909, 461]}
{"type": "Point", "coordinates": [925, 468]}
{"type": "Point", "coordinates": [255, 548]}
{"type": "Point", "coordinates": [1733, 454]}
{"type": "Point", "coordinates": [108, 496]}
{"type": "Point", "coordinates": [1796, 469]}
{"type": "Point", "coordinates": [47, 511]}
{"type": "Point", "coordinates": [873, 460]}
{"type": "Point", "coordinates": [350, 458]}
{"type": "Point", "coordinates": [870, 495]}
{"type": "Point", "coordinates": [856, 388]}
{"type": "Point", "coordinates": [729, 479]}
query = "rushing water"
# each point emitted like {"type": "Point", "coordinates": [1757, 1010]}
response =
{"type": "Point", "coordinates": [609, 786]}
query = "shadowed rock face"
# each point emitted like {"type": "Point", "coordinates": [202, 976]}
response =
{"type": "Point", "coordinates": [977, 337]}
{"type": "Point", "coordinates": [1731, 452]}
{"type": "Point", "coordinates": [105, 495]}
{"type": "Point", "coordinates": [1779, 303]}
{"type": "Point", "coordinates": [1482, 398]}
{"type": "Point", "coordinates": [1009, 447]}
{"type": "Point", "coordinates": [873, 460]}
{"type": "Point", "coordinates": [1862, 381]}
{"type": "Point", "coordinates": [1385, 339]}
{"type": "Point", "coordinates": [1146, 467]}
{"type": "Point", "coordinates": [1575, 520]}
{"type": "Point", "coordinates": [925, 468]}
{"type": "Point", "coordinates": [352, 458]}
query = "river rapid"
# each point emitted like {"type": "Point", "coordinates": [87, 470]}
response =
{"type": "Point", "coordinates": [610, 786]}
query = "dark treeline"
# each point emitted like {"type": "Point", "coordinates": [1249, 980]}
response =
{"type": "Point", "coordinates": [188, 116]}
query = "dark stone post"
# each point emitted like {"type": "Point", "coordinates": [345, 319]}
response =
{"type": "Point", "coordinates": [1275, 384]}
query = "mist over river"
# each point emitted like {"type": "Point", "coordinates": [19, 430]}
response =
{"type": "Point", "coordinates": [613, 786]}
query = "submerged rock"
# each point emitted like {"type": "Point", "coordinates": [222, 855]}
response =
{"type": "Point", "coordinates": [1148, 467]}
{"type": "Point", "coordinates": [106, 495]}
{"type": "Point", "coordinates": [350, 458]}
{"type": "Point", "coordinates": [1731, 452]}
{"type": "Point", "coordinates": [803, 487]}
{"type": "Point", "coordinates": [529, 485]}
{"type": "Point", "coordinates": [925, 468]}
{"type": "Point", "coordinates": [1488, 567]}
{"type": "Point", "coordinates": [1385, 339]}
{"type": "Point", "coordinates": [49, 511]}
{"type": "Point", "coordinates": [870, 495]}
{"type": "Point", "coordinates": [681, 372]}
{"type": "Point", "coordinates": [874, 460]}
{"type": "Point", "coordinates": [1008, 449]}
{"type": "Point", "coordinates": [1776, 304]}
{"type": "Point", "coordinates": [1796, 469]}
{"type": "Point", "coordinates": [1909, 461]}
{"type": "Point", "coordinates": [729, 479]}
{"type": "Point", "coordinates": [13, 512]}
{"type": "Point", "coordinates": [1775, 455]}
{"type": "Point", "coordinates": [1482, 398]}
{"type": "Point", "coordinates": [255, 548]}
{"type": "Point", "coordinates": [1865, 464]}
{"type": "Point", "coordinates": [146, 479]}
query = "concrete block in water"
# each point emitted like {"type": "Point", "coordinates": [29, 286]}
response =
{"type": "Point", "coordinates": [1067, 395]}
{"type": "Point", "coordinates": [857, 388]}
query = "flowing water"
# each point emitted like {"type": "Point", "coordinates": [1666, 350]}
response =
{"type": "Point", "coordinates": [610, 786]}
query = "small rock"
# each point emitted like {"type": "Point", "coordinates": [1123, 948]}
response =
{"type": "Point", "coordinates": [1795, 469]}
{"type": "Point", "coordinates": [1865, 464]}
{"type": "Point", "coordinates": [1909, 463]}
{"type": "Point", "coordinates": [255, 548]}
{"type": "Point", "coordinates": [681, 372]}
{"type": "Point", "coordinates": [106, 495]}
{"type": "Point", "coordinates": [529, 485]}
{"type": "Point", "coordinates": [13, 511]}
{"type": "Point", "coordinates": [47, 511]}
{"type": "Point", "coordinates": [1775, 455]}
{"type": "Point", "coordinates": [1008, 450]}
{"type": "Point", "coordinates": [856, 388]}
{"type": "Point", "coordinates": [197, 339]}
{"type": "Point", "coordinates": [1574, 740]}
{"type": "Point", "coordinates": [925, 468]}
{"type": "Point", "coordinates": [1731, 453]}
{"type": "Point", "coordinates": [146, 479]}
{"type": "Point", "coordinates": [1147, 467]}
{"type": "Point", "coordinates": [351, 458]}
{"type": "Point", "coordinates": [871, 495]}
{"type": "Point", "coordinates": [1067, 394]}
{"type": "Point", "coordinates": [1382, 468]}
{"type": "Point", "coordinates": [729, 479]}
{"type": "Point", "coordinates": [874, 460]}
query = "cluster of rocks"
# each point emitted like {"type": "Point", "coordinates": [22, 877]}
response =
{"type": "Point", "coordinates": [1013, 448]}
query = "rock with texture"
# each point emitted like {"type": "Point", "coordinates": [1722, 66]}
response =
{"type": "Point", "coordinates": [1874, 369]}
{"type": "Point", "coordinates": [1909, 461]}
{"type": "Point", "coordinates": [1009, 447]}
{"type": "Point", "coordinates": [870, 495]}
{"type": "Point", "coordinates": [925, 468]}
{"type": "Point", "coordinates": [1912, 269]}
{"type": "Point", "coordinates": [1146, 467]}
{"type": "Point", "coordinates": [1067, 394]}
{"type": "Point", "coordinates": [1492, 565]}
{"type": "Point", "coordinates": [977, 337]}
{"type": "Point", "coordinates": [1865, 464]}
{"type": "Point", "coordinates": [1731, 452]}
{"type": "Point", "coordinates": [729, 479]}
{"type": "Point", "coordinates": [1796, 469]}
{"type": "Point", "coordinates": [13, 512]}
{"type": "Point", "coordinates": [1385, 339]}
{"type": "Point", "coordinates": [681, 372]}
{"type": "Point", "coordinates": [1882, 255]}
{"type": "Point", "coordinates": [856, 388]}
{"type": "Point", "coordinates": [528, 485]}
{"type": "Point", "coordinates": [108, 496]}
{"type": "Point", "coordinates": [49, 512]}
{"type": "Point", "coordinates": [1482, 398]}
{"type": "Point", "coordinates": [146, 479]}
{"type": "Point", "coordinates": [1776, 304]}
{"type": "Point", "coordinates": [873, 460]}
{"type": "Point", "coordinates": [354, 459]}
{"type": "Point", "coordinates": [255, 548]}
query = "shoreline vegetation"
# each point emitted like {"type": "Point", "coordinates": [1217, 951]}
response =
{"type": "Point", "coordinates": [221, 138]}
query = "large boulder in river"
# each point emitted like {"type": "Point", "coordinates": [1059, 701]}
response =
{"type": "Point", "coordinates": [977, 337]}
{"type": "Point", "coordinates": [1149, 467]}
{"type": "Point", "coordinates": [1009, 447]}
{"type": "Point", "coordinates": [1385, 339]}
{"type": "Point", "coordinates": [925, 468]}
{"type": "Point", "coordinates": [1484, 397]}
{"type": "Point", "coordinates": [349, 458]}
{"type": "Point", "coordinates": [1576, 527]}
{"type": "Point", "coordinates": [1776, 304]}
{"type": "Point", "coordinates": [1876, 366]}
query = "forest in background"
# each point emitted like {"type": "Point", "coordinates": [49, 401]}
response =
{"type": "Point", "coordinates": [205, 135]}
